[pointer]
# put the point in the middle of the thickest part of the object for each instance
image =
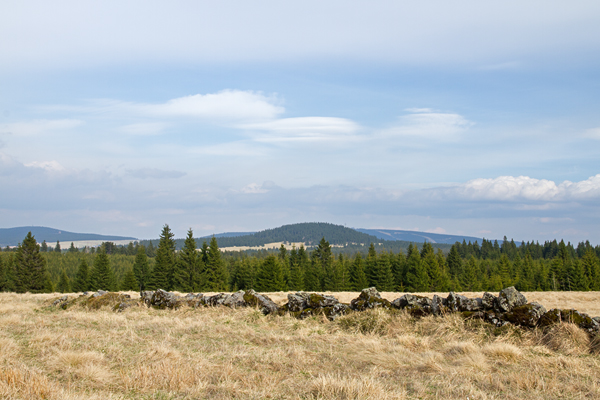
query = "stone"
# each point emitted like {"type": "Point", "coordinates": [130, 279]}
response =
{"type": "Point", "coordinates": [235, 300]}
{"type": "Point", "coordinates": [415, 305]}
{"type": "Point", "coordinates": [192, 299]}
{"type": "Point", "coordinates": [337, 310]}
{"type": "Point", "coordinates": [510, 298]}
{"type": "Point", "coordinates": [99, 293]}
{"type": "Point", "coordinates": [369, 298]}
{"type": "Point", "coordinates": [297, 301]}
{"type": "Point", "coordinates": [60, 300]}
{"type": "Point", "coordinates": [262, 302]}
{"type": "Point", "coordinates": [526, 315]}
{"type": "Point", "coordinates": [438, 305]}
{"type": "Point", "coordinates": [489, 301]}
{"type": "Point", "coordinates": [458, 302]}
{"type": "Point", "coordinates": [316, 300]}
{"type": "Point", "coordinates": [215, 300]}
{"type": "Point", "coordinates": [146, 296]}
{"type": "Point", "coordinates": [162, 299]}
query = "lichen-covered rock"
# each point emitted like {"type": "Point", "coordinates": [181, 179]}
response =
{"type": "Point", "coordinates": [122, 306]}
{"type": "Point", "coordinates": [550, 318]}
{"type": "Point", "coordinates": [438, 305]}
{"type": "Point", "coordinates": [336, 311]}
{"type": "Point", "coordinates": [297, 301]}
{"type": "Point", "coordinates": [215, 300]}
{"type": "Point", "coordinates": [162, 299]}
{"type": "Point", "coordinates": [108, 299]}
{"type": "Point", "coordinates": [369, 298]}
{"type": "Point", "coordinates": [192, 300]}
{"type": "Point", "coordinates": [580, 319]}
{"type": "Point", "coordinates": [60, 300]}
{"type": "Point", "coordinates": [458, 302]}
{"type": "Point", "coordinates": [146, 296]}
{"type": "Point", "coordinates": [317, 300]}
{"type": "Point", "coordinates": [416, 305]}
{"type": "Point", "coordinates": [99, 293]}
{"type": "Point", "coordinates": [489, 301]}
{"type": "Point", "coordinates": [510, 298]}
{"type": "Point", "coordinates": [235, 300]}
{"type": "Point", "coordinates": [527, 315]}
{"type": "Point", "coordinates": [264, 303]}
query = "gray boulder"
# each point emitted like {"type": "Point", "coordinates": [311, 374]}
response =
{"type": "Point", "coordinates": [235, 300]}
{"type": "Point", "coordinates": [215, 300]}
{"type": "Point", "coordinates": [262, 302]}
{"type": "Point", "coordinates": [458, 302]}
{"type": "Point", "coordinates": [99, 293]}
{"type": "Point", "coordinates": [146, 296]}
{"type": "Point", "coordinates": [369, 298]}
{"type": "Point", "coordinates": [162, 299]}
{"type": "Point", "coordinates": [336, 311]}
{"type": "Point", "coordinates": [438, 305]}
{"type": "Point", "coordinates": [510, 298]}
{"type": "Point", "coordinates": [489, 301]}
{"type": "Point", "coordinates": [580, 319]}
{"type": "Point", "coordinates": [297, 301]}
{"type": "Point", "coordinates": [416, 305]}
{"type": "Point", "coordinates": [527, 315]}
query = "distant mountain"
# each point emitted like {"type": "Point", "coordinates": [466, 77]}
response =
{"type": "Point", "coordinates": [227, 234]}
{"type": "Point", "coordinates": [14, 236]}
{"type": "Point", "coordinates": [417, 237]}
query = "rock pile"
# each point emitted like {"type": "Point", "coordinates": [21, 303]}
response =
{"type": "Point", "coordinates": [509, 307]}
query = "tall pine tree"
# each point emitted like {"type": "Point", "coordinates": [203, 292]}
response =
{"type": "Point", "coordinates": [30, 268]}
{"type": "Point", "coordinates": [162, 274]}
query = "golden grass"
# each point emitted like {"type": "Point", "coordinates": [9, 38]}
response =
{"type": "Point", "coordinates": [220, 353]}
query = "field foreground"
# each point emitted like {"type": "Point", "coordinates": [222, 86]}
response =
{"type": "Point", "coordinates": [222, 353]}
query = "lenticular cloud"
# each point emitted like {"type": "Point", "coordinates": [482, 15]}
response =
{"type": "Point", "coordinates": [526, 188]}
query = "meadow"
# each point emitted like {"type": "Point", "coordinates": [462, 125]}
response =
{"type": "Point", "coordinates": [222, 353]}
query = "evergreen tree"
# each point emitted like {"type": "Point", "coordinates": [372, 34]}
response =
{"type": "Point", "coordinates": [215, 273]}
{"type": "Point", "coordinates": [57, 247]}
{"type": "Point", "coordinates": [82, 278]}
{"type": "Point", "coordinates": [64, 284]}
{"type": "Point", "coordinates": [504, 271]}
{"type": "Point", "coordinates": [162, 274]}
{"type": "Point", "coordinates": [30, 268]}
{"type": "Point", "coordinates": [296, 281]}
{"type": "Point", "coordinates": [44, 247]}
{"type": "Point", "coordinates": [358, 278]}
{"type": "Point", "coordinates": [312, 275]}
{"type": "Point", "coordinates": [469, 279]}
{"type": "Point", "coordinates": [150, 250]}
{"type": "Point", "coordinates": [129, 282]}
{"type": "Point", "coordinates": [103, 277]}
{"type": "Point", "coordinates": [399, 271]}
{"type": "Point", "coordinates": [385, 278]}
{"type": "Point", "coordinates": [270, 275]}
{"type": "Point", "coordinates": [324, 265]}
{"type": "Point", "coordinates": [371, 266]}
{"type": "Point", "coordinates": [417, 279]}
{"type": "Point", "coordinates": [342, 272]}
{"type": "Point", "coordinates": [3, 282]}
{"type": "Point", "coordinates": [591, 266]}
{"type": "Point", "coordinates": [141, 269]}
{"type": "Point", "coordinates": [187, 271]}
{"type": "Point", "coordinates": [454, 262]}
{"type": "Point", "coordinates": [73, 249]}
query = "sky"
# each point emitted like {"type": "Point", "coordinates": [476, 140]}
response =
{"type": "Point", "coordinates": [464, 117]}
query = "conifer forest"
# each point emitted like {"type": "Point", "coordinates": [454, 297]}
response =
{"type": "Point", "coordinates": [202, 267]}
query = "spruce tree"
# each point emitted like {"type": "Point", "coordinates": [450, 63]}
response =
{"type": "Point", "coordinates": [296, 281]}
{"type": "Point", "coordinates": [141, 269]}
{"type": "Point", "coordinates": [129, 282]}
{"type": "Point", "coordinates": [162, 274]}
{"type": "Point", "coordinates": [385, 278]}
{"type": "Point", "coordinates": [358, 278]}
{"type": "Point", "coordinates": [57, 247]}
{"type": "Point", "coordinates": [454, 262]}
{"type": "Point", "coordinates": [30, 268]}
{"type": "Point", "coordinates": [187, 274]}
{"type": "Point", "coordinates": [73, 249]}
{"type": "Point", "coordinates": [64, 284]}
{"type": "Point", "coordinates": [215, 273]}
{"type": "Point", "coordinates": [324, 265]}
{"type": "Point", "coordinates": [417, 279]}
{"type": "Point", "coordinates": [399, 270]}
{"type": "Point", "coordinates": [44, 247]}
{"type": "Point", "coordinates": [312, 275]}
{"type": "Point", "coordinates": [371, 266]}
{"type": "Point", "coordinates": [270, 275]}
{"type": "Point", "coordinates": [103, 277]}
{"type": "Point", "coordinates": [82, 278]}
{"type": "Point", "coordinates": [591, 266]}
{"type": "Point", "coordinates": [3, 283]}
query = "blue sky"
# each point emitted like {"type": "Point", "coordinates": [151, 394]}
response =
{"type": "Point", "coordinates": [457, 117]}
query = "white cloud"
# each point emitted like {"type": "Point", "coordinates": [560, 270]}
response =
{"type": "Point", "coordinates": [37, 127]}
{"type": "Point", "coordinates": [226, 105]}
{"type": "Point", "coordinates": [143, 129]}
{"type": "Point", "coordinates": [592, 133]}
{"type": "Point", "coordinates": [49, 166]}
{"type": "Point", "coordinates": [428, 124]}
{"type": "Point", "coordinates": [304, 129]}
{"type": "Point", "coordinates": [506, 188]}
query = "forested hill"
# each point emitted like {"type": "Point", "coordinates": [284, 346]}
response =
{"type": "Point", "coordinates": [418, 237]}
{"type": "Point", "coordinates": [309, 233]}
{"type": "Point", "coordinates": [14, 236]}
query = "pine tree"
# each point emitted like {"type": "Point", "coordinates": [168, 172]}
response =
{"type": "Point", "coordinates": [399, 271]}
{"type": "Point", "coordinates": [3, 282]}
{"type": "Point", "coordinates": [342, 272]}
{"type": "Point", "coordinates": [385, 277]}
{"type": "Point", "coordinates": [187, 272]}
{"type": "Point", "coordinates": [454, 262]}
{"type": "Point", "coordinates": [216, 275]}
{"type": "Point", "coordinates": [141, 269]}
{"type": "Point", "coordinates": [417, 279]}
{"type": "Point", "coordinates": [129, 282]}
{"type": "Point", "coordinates": [150, 251]}
{"type": "Point", "coordinates": [296, 281]}
{"type": "Point", "coordinates": [324, 264]}
{"type": "Point", "coordinates": [82, 278]}
{"type": "Point", "coordinates": [270, 275]}
{"type": "Point", "coordinates": [591, 266]}
{"type": "Point", "coordinates": [64, 284]}
{"type": "Point", "coordinates": [30, 268]}
{"type": "Point", "coordinates": [504, 269]}
{"type": "Point", "coordinates": [44, 247]}
{"type": "Point", "coordinates": [103, 277]}
{"type": "Point", "coordinates": [57, 247]}
{"type": "Point", "coordinates": [73, 249]}
{"type": "Point", "coordinates": [312, 275]}
{"type": "Point", "coordinates": [162, 274]}
{"type": "Point", "coordinates": [371, 266]}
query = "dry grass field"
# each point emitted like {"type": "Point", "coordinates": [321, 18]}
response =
{"type": "Point", "coordinates": [221, 353]}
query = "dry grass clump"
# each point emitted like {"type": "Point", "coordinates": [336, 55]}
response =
{"type": "Point", "coordinates": [567, 338]}
{"type": "Point", "coordinates": [220, 353]}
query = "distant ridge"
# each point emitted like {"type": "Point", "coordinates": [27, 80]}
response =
{"type": "Point", "coordinates": [14, 236]}
{"type": "Point", "coordinates": [418, 237]}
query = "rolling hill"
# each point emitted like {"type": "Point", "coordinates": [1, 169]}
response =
{"type": "Point", "coordinates": [417, 237]}
{"type": "Point", "coordinates": [14, 236]}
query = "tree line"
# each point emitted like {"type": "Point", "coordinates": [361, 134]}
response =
{"type": "Point", "coordinates": [465, 267]}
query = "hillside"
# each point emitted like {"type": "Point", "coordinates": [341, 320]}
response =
{"type": "Point", "coordinates": [418, 237]}
{"type": "Point", "coordinates": [14, 236]}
